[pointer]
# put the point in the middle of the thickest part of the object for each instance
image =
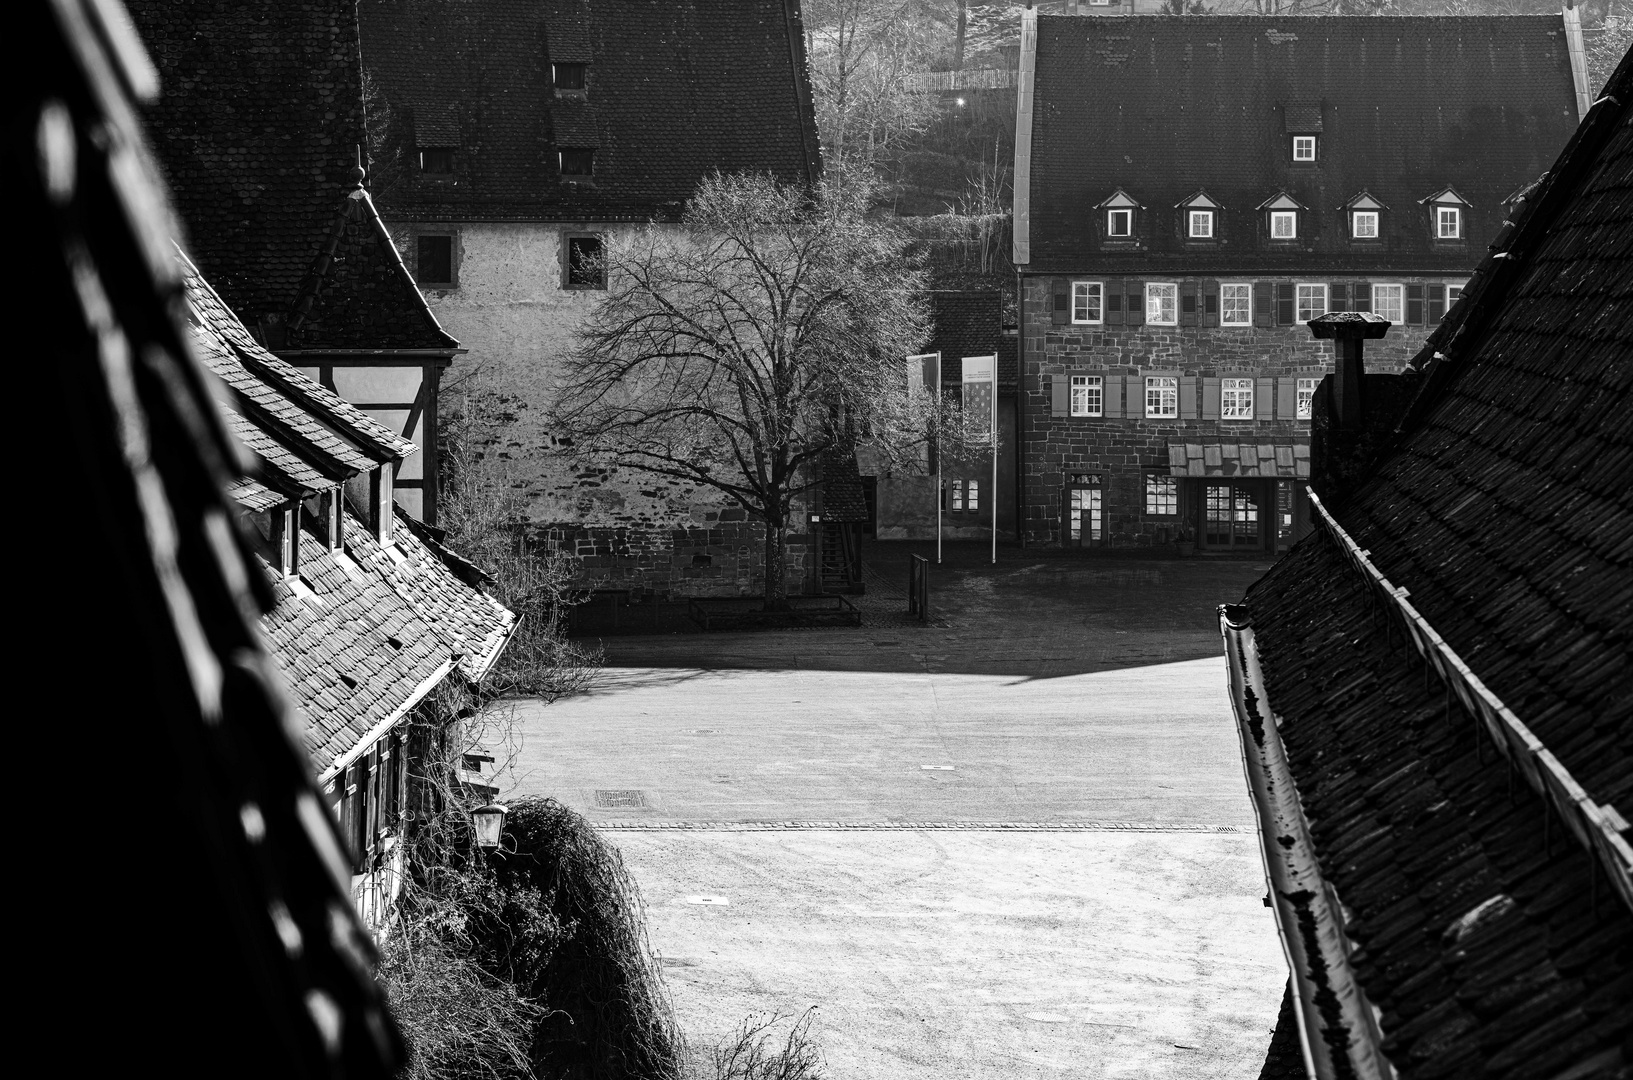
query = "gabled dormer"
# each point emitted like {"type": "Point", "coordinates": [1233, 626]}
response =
{"type": "Point", "coordinates": [1302, 127]}
{"type": "Point", "coordinates": [1199, 218]}
{"type": "Point", "coordinates": [1364, 219]}
{"type": "Point", "coordinates": [1448, 216]}
{"type": "Point", "coordinates": [1283, 220]}
{"type": "Point", "coordinates": [1119, 220]}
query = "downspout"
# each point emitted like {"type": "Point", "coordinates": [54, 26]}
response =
{"type": "Point", "coordinates": [1021, 245]}
{"type": "Point", "coordinates": [1337, 1026]}
{"type": "Point", "coordinates": [1579, 61]}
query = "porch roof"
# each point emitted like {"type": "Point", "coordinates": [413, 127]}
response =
{"type": "Point", "coordinates": [1216, 457]}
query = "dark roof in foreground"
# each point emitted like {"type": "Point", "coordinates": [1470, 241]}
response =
{"type": "Point", "coordinates": [676, 89]}
{"type": "Point", "coordinates": [1404, 106]}
{"type": "Point", "coordinates": [1506, 510]}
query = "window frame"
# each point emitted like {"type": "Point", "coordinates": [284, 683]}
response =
{"type": "Point", "coordinates": [1192, 216]}
{"type": "Point", "coordinates": [1289, 215]}
{"type": "Point", "coordinates": [1160, 390]}
{"type": "Point", "coordinates": [1355, 224]}
{"type": "Point", "coordinates": [575, 177]}
{"type": "Point", "coordinates": [567, 282]}
{"type": "Point", "coordinates": [1173, 298]}
{"type": "Point", "coordinates": [1299, 317]}
{"type": "Point", "coordinates": [1400, 299]}
{"type": "Point", "coordinates": [583, 78]}
{"type": "Point", "coordinates": [1304, 403]}
{"type": "Point", "coordinates": [1095, 384]}
{"type": "Point", "coordinates": [1099, 289]}
{"type": "Point", "coordinates": [450, 235]}
{"type": "Point", "coordinates": [1236, 385]}
{"type": "Point", "coordinates": [1301, 140]}
{"type": "Point", "coordinates": [963, 496]}
{"type": "Point", "coordinates": [1459, 286]}
{"type": "Point", "coordinates": [1111, 223]}
{"type": "Point", "coordinates": [1247, 288]}
{"type": "Point", "coordinates": [436, 174]}
{"type": "Point", "coordinates": [1169, 496]}
{"type": "Point", "coordinates": [1457, 221]}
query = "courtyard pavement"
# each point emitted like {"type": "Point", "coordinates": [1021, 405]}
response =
{"type": "Point", "coordinates": [1014, 843]}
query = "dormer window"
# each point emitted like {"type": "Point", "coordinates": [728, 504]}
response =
{"type": "Point", "coordinates": [1446, 216]}
{"type": "Point", "coordinates": [1120, 223]}
{"type": "Point", "coordinates": [1302, 124]}
{"type": "Point", "coordinates": [1284, 224]}
{"type": "Point", "coordinates": [577, 164]}
{"type": "Point", "coordinates": [1201, 224]}
{"type": "Point", "coordinates": [1303, 147]}
{"type": "Point", "coordinates": [1120, 220]}
{"type": "Point", "coordinates": [1448, 223]}
{"type": "Point", "coordinates": [569, 76]}
{"type": "Point", "coordinates": [1364, 224]}
{"type": "Point", "coordinates": [1199, 217]}
{"type": "Point", "coordinates": [1281, 217]}
{"type": "Point", "coordinates": [437, 160]}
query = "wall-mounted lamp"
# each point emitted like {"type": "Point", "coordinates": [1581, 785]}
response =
{"type": "Point", "coordinates": [490, 822]}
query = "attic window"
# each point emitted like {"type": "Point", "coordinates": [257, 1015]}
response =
{"type": "Point", "coordinates": [1201, 224]}
{"type": "Point", "coordinates": [1120, 223]}
{"type": "Point", "coordinates": [1448, 223]}
{"type": "Point", "coordinates": [1283, 224]}
{"type": "Point", "coordinates": [577, 163]}
{"type": "Point", "coordinates": [1303, 147]}
{"type": "Point", "coordinates": [568, 76]}
{"type": "Point", "coordinates": [1364, 224]}
{"type": "Point", "coordinates": [437, 160]}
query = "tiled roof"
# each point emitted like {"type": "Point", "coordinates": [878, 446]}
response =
{"type": "Point", "coordinates": [967, 323]}
{"type": "Point", "coordinates": [274, 460]}
{"type": "Point", "coordinates": [1503, 508]}
{"type": "Point", "coordinates": [358, 294]}
{"type": "Point", "coordinates": [1219, 457]}
{"type": "Point", "coordinates": [1160, 107]}
{"type": "Point", "coordinates": [257, 126]}
{"type": "Point", "coordinates": [676, 89]}
{"type": "Point", "coordinates": [843, 499]}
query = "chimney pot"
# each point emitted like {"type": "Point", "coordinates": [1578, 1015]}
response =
{"type": "Point", "coordinates": [1348, 329]}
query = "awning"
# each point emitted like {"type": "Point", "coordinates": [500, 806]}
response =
{"type": "Point", "coordinates": [1218, 458]}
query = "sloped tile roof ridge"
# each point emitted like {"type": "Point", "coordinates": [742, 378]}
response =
{"type": "Point", "coordinates": [275, 462]}
{"type": "Point", "coordinates": [433, 538]}
{"type": "Point", "coordinates": [284, 377]}
{"type": "Point", "coordinates": [357, 206]}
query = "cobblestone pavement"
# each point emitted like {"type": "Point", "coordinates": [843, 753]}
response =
{"type": "Point", "coordinates": [1013, 843]}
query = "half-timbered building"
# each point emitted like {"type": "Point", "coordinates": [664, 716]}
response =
{"type": "Point", "coordinates": [1190, 192]}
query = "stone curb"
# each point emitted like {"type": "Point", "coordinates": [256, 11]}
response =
{"type": "Point", "coordinates": [905, 826]}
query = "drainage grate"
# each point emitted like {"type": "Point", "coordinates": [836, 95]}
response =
{"type": "Point", "coordinates": [622, 799]}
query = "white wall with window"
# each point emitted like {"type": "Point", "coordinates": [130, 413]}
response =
{"type": "Point", "coordinates": [1235, 303]}
{"type": "Point", "coordinates": [1448, 223]}
{"type": "Point", "coordinates": [1161, 397]}
{"type": "Point", "coordinates": [1162, 303]}
{"type": "Point", "coordinates": [1236, 399]}
{"type": "Point", "coordinates": [1312, 301]}
{"type": "Point", "coordinates": [1088, 301]}
{"type": "Point", "coordinates": [1088, 395]}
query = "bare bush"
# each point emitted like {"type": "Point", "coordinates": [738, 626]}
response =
{"type": "Point", "coordinates": [752, 1052]}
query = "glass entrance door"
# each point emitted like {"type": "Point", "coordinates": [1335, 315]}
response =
{"type": "Point", "coordinates": [1083, 516]}
{"type": "Point", "coordinates": [1230, 515]}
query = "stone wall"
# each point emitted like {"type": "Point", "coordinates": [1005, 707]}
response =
{"type": "Point", "coordinates": [1123, 450]}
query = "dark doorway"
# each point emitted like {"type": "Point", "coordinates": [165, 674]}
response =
{"type": "Point", "coordinates": [870, 494]}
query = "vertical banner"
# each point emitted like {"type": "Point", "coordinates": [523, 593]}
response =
{"type": "Point", "coordinates": [981, 400]}
{"type": "Point", "coordinates": [924, 370]}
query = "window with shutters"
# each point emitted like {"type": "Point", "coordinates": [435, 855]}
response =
{"type": "Point", "coordinates": [1306, 397]}
{"type": "Point", "coordinates": [1236, 399]}
{"type": "Point", "coordinates": [1235, 304]}
{"type": "Point", "coordinates": [1201, 225]}
{"type": "Point", "coordinates": [1284, 224]}
{"type": "Point", "coordinates": [1088, 302]}
{"type": "Point", "coordinates": [1303, 147]}
{"type": "Point", "coordinates": [1161, 494]}
{"type": "Point", "coordinates": [1162, 303]}
{"type": "Point", "coordinates": [1364, 224]}
{"type": "Point", "coordinates": [1120, 224]}
{"type": "Point", "coordinates": [1161, 397]}
{"type": "Point", "coordinates": [1448, 223]}
{"type": "Point", "coordinates": [1312, 302]}
{"type": "Point", "coordinates": [965, 496]}
{"type": "Point", "coordinates": [1387, 300]}
{"type": "Point", "coordinates": [1088, 395]}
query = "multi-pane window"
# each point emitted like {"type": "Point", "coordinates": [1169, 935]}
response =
{"type": "Point", "coordinates": [1088, 302]}
{"type": "Point", "coordinates": [1087, 395]}
{"type": "Point", "coordinates": [1448, 223]}
{"type": "Point", "coordinates": [1303, 147]}
{"type": "Point", "coordinates": [1306, 397]}
{"type": "Point", "coordinates": [1364, 224]}
{"type": "Point", "coordinates": [1161, 397]}
{"type": "Point", "coordinates": [1387, 300]}
{"type": "Point", "coordinates": [1083, 515]}
{"type": "Point", "coordinates": [1120, 223]}
{"type": "Point", "coordinates": [1235, 304]}
{"type": "Point", "coordinates": [1161, 494]}
{"type": "Point", "coordinates": [586, 263]}
{"type": "Point", "coordinates": [1454, 293]}
{"type": "Point", "coordinates": [1201, 224]}
{"type": "Point", "coordinates": [966, 496]}
{"type": "Point", "coordinates": [1162, 303]}
{"type": "Point", "coordinates": [1312, 302]}
{"type": "Point", "coordinates": [1284, 224]}
{"type": "Point", "coordinates": [1236, 399]}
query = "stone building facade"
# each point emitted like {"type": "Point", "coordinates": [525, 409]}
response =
{"type": "Point", "coordinates": [1189, 193]}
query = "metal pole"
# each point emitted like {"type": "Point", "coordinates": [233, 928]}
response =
{"type": "Point", "coordinates": [993, 497]}
{"type": "Point", "coordinates": [940, 450]}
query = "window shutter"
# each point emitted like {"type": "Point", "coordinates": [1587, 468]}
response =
{"type": "Point", "coordinates": [1263, 308]}
{"type": "Point", "coordinates": [1187, 303]}
{"type": "Point", "coordinates": [1437, 303]}
{"type": "Point", "coordinates": [1287, 398]}
{"type": "Point", "coordinates": [1187, 397]}
{"type": "Point", "coordinates": [1363, 296]}
{"type": "Point", "coordinates": [1062, 311]}
{"type": "Point", "coordinates": [1338, 296]}
{"type": "Point", "coordinates": [1135, 302]}
{"type": "Point", "coordinates": [1414, 304]}
{"type": "Point", "coordinates": [1264, 399]}
{"type": "Point", "coordinates": [1210, 399]}
{"type": "Point", "coordinates": [1286, 304]}
{"type": "Point", "coordinates": [1060, 388]}
{"type": "Point", "coordinates": [1210, 303]}
{"type": "Point", "coordinates": [1114, 305]}
{"type": "Point", "coordinates": [1112, 396]}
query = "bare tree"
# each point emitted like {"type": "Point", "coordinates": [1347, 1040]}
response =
{"type": "Point", "coordinates": [860, 50]}
{"type": "Point", "coordinates": [736, 352]}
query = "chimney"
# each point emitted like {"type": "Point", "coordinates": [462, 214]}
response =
{"type": "Point", "coordinates": [1348, 329]}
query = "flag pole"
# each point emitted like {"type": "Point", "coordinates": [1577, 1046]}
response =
{"type": "Point", "coordinates": [940, 491]}
{"type": "Point", "coordinates": [993, 497]}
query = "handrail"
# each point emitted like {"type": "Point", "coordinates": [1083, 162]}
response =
{"type": "Point", "coordinates": [1587, 821]}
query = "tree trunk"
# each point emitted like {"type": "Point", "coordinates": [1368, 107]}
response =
{"type": "Point", "coordinates": [958, 44]}
{"type": "Point", "coordinates": [776, 556]}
